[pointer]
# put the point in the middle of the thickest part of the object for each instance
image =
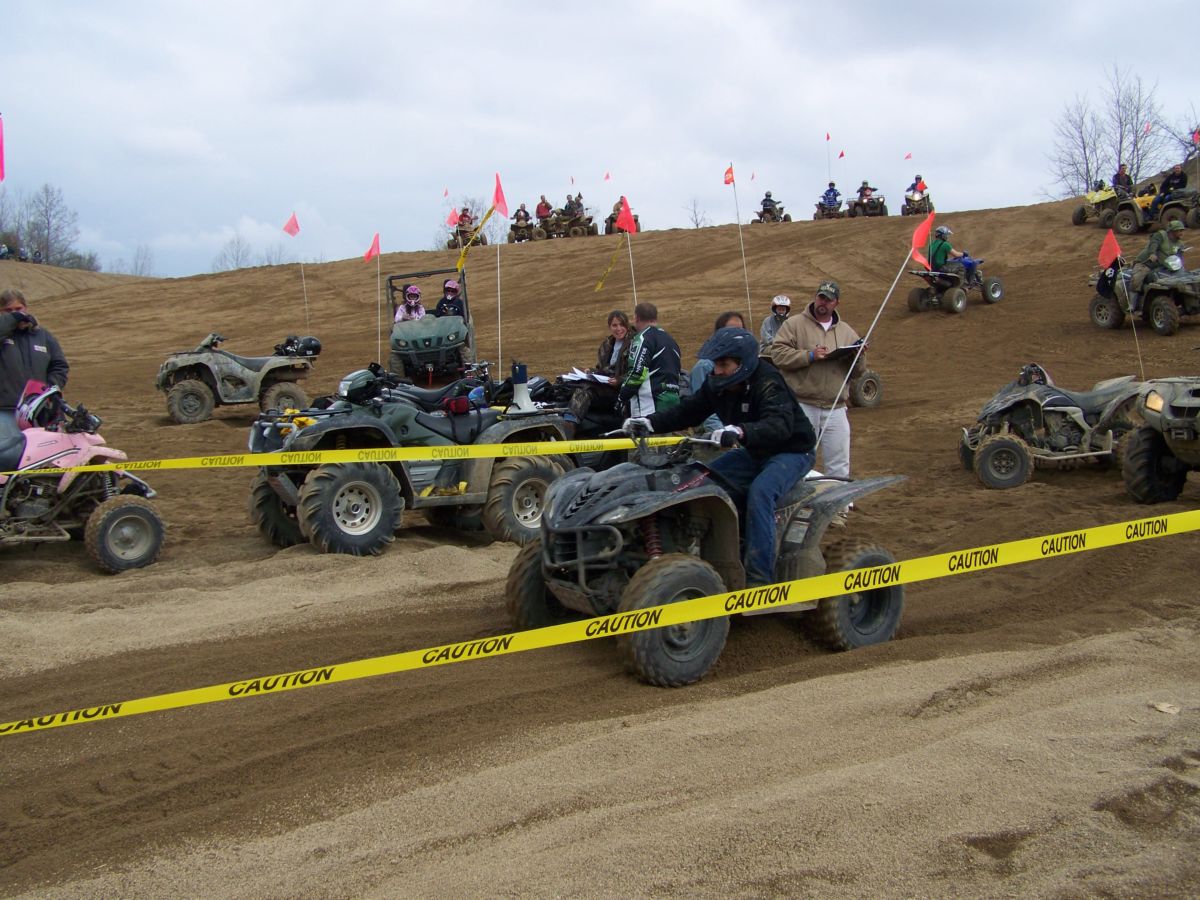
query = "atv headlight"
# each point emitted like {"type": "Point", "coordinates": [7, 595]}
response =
{"type": "Point", "coordinates": [1154, 401]}
{"type": "Point", "coordinates": [614, 515]}
{"type": "Point", "coordinates": [401, 343]}
{"type": "Point", "coordinates": [453, 336]}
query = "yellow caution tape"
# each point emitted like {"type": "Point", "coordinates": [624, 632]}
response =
{"type": "Point", "coordinates": [366, 454]}
{"type": "Point", "coordinates": [462, 254]}
{"type": "Point", "coordinates": [612, 262]}
{"type": "Point", "coordinates": [833, 584]}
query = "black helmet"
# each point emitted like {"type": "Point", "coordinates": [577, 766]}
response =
{"type": "Point", "coordinates": [831, 184]}
{"type": "Point", "coordinates": [359, 386]}
{"type": "Point", "coordinates": [732, 343]}
{"type": "Point", "coordinates": [918, 178]}
{"type": "Point", "coordinates": [864, 184]}
{"type": "Point", "coordinates": [309, 346]}
{"type": "Point", "coordinates": [768, 195]}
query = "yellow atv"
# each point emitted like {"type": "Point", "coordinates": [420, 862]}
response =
{"type": "Point", "coordinates": [1101, 204]}
{"type": "Point", "coordinates": [1133, 214]}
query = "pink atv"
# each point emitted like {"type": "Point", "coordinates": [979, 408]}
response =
{"type": "Point", "coordinates": [111, 511]}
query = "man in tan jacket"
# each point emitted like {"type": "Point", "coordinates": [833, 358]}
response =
{"type": "Point", "coordinates": [815, 350]}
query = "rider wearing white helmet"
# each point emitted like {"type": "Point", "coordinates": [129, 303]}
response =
{"type": "Point", "coordinates": [781, 307]}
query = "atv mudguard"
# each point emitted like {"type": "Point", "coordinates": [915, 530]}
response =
{"type": "Point", "coordinates": [529, 429]}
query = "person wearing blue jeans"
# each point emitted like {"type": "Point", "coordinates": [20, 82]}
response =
{"type": "Point", "coordinates": [769, 438]}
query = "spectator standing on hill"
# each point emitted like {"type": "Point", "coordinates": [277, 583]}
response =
{"type": "Point", "coordinates": [28, 352]}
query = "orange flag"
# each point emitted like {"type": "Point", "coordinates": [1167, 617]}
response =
{"type": "Point", "coordinates": [1109, 250]}
{"type": "Point", "coordinates": [452, 219]}
{"type": "Point", "coordinates": [498, 200]}
{"type": "Point", "coordinates": [373, 250]}
{"type": "Point", "coordinates": [920, 238]}
{"type": "Point", "coordinates": [827, 135]}
{"type": "Point", "coordinates": [729, 174]}
{"type": "Point", "coordinates": [292, 227]}
{"type": "Point", "coordinates": [607, 177]}
{"type": "Point", "coordinates": [445, 192]}
{"type": "Point", "coordinates": [841, 154]}
{"type": "Point", "coordinates": [625, 218]}
{"type": "Point", "coordinates": [908, 156]}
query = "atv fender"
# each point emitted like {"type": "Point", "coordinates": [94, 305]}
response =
{"type": "Point", "coordinates": [534, 429]}
{"type": "Point", "coordinates": [1127, 398]}
{"type": "Point", "coordinates": [359, 431]}
{"type": "Point", "coordinates": [829, 502]}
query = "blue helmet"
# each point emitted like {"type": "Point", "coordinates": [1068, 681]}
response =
{"type": "Point", "coordinates": [734, 343]}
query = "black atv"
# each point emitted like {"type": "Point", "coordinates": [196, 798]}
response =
{"type": "Point", "coordinates": [664, 528]}
{"type": "Point", "coordinates": [356, 507]}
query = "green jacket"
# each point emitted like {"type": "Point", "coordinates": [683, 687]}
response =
{"type": "Point", "coordinates": [1158, 249]}
{"type": "Point", "coordinates": [939, 253]}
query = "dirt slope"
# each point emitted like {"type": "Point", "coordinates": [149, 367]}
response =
{"type": "Point", "coordinates": [1005, 743]}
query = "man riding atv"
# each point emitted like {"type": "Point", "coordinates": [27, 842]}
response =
{"type": "Point", "coordinates": [1153, 259]}
{"type": "Point", "coordinates": [941, 252]}
{"type": "Point", "coordinates": [762, 416]}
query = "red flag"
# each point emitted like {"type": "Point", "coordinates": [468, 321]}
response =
{"type": "Point", "coordinates": [1195, 140]}
{"type": "Point", "coordinates": [827, 135]}
{"type": "Point", "coordinates": [452, 219]}
{"type": "Point", "coordinates": [920, 238]}
{"type": "Point", "coordinates": [625, 218]}
{"type": "Point", "coordinates": [908, 156]}
{"type": "Point", "coordinates": [922, 186]}
{"type": "Point", "coordinates": [373, 250]}
{"type": "Point", "coordinates": [498, 200]}
{"type": "Point", "coordinates": [1, 149]}
{"type": "Point", "coordinates": [1109, 250]}
{"type": "Point", "coordinates": [729, 174]}
{"type": "Point", "coordinates": [607, 177]}
{"type": "Point", "coordinates": [1146, 130]}
{"type": "Point", "coordinates": [445, 192]}
{"type": "Point", "coordinates": [841, 154]}
{"type": "Point", "coordinates": [292, 227]}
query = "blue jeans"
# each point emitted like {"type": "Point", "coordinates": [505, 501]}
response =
{"type": "Point", "coordinates": [762, 484]}
{"type": "Point", "coordinates": [8, 424]}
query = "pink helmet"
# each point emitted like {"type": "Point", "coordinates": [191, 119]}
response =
{"type": "Point", "coordinates": [412, 294]}
{"type": "Point", "coordinates": [450, 285]}
{"type": "Point", "coordinates": [40, 405]}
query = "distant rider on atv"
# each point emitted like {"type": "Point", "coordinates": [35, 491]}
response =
{"type": "Point", "coordinates": [521, 216]}
{"type": "Point", "coordinates": [832, 197]}
{"type": "Point", "coordinates": [1162, 245]}
{"type": "Point", "coordinates": [940, 253]}
{"type": "Point", "coordinates": [865, 191]}
{"type": "Point", "coordinates": [770, 209]}
{"type": "Point", "coordinates": [465, 219]}
{"type": "Point", "coordinates": [450, 304]}
{"type": "Point", "coordinates": [411, 309]}
{"type": "Point", "coordinates": [762, 416]}
{"type": "Point", "coordinates": [1122, 182]}
{"type": "Point", "coordinates": [543, 210]}
{"type": "Point", "coordinates": [916, 189]}
{"type": "Point", "coordinates": [1176, 180]}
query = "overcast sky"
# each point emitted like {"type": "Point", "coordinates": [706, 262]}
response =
{"type": "Point", "coordinates": [176, 124]}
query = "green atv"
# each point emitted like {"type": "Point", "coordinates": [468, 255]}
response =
{"type": "Point", "coordinates": [356, 507]}
{"type": "Point", "coordinates": [1159, 454]}
{"type": "Point", "coordinates": [435, 347]}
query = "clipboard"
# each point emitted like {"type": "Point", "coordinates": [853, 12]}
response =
{"type": "Point", "coordinates": [846, 352]}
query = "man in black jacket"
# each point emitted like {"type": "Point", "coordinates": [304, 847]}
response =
{"type": "Point", "coordinates": [1176, 180]}
{"type": "Point", "coordinates": [27, 352]}
{"type": "Point", "coordinates": [750, 395]}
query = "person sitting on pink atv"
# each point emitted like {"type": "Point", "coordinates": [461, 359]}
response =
{"type": "Point", "coordinates": [28, 352]}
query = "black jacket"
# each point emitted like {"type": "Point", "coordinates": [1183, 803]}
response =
{"type": "Point", "coordinates": [449, 306]}
{"type": "Point", "coordinates": [763, 407]}
{"type": "Point", "coordinates": [1173, 182]}
{"type": "Point", "coordinates": [24, 355]}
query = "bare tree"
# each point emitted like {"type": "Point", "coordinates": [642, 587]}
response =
{"type": "Point", "coordinates": [51, 226]}
{"type": "Point", "coordinates": [143, 261]}
{"type": "Point", "coordinates": [1078, 159]}
{"type": "Point", "coordinates": [696, 215]}
{"type": "Point", "coordinates": [273, 256]}
{"type": "Point", "coordinates": [234, 255]}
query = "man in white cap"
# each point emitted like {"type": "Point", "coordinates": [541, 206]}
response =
{"type": "Point", "coordinates": [781, 305]}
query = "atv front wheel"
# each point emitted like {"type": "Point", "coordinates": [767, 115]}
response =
{"type": "Point", "coordinates": [1125, 222]}
{"type": "Point", "coordinates": [1106, 312]}
{"type": "Point", "coordinates": [1003, 461]}
{"type": "Point", "coordinates": [864, 617]}
{"type": "Point", "coordinates": [1106, 218]}
{"type": "Point", "coordinates": [673, 655]}
{"type": "Point", "coordinates": [123, 532]}
{"type": "Point", "coordinates": [1079, 215]}
{"type": "Point", "coordinates": [274, 519]}
{"type": "Point", "coordinates": [350, 508]}
{"type": "Point", "coordinates": [1164, 316]}
{"type": "Point", "coordinates": [954, 300]}
{"type": "Point", "coordinates": [1152, 473]}
{"type": "Point", "coordinates": [516, 496]}
{"type": "Point", "coordinates": [866, 390]}
{"type": "Point", "coordinates": [917, 301]}
{"type": "Point", "coordinates": [993, 289]}
{"type": "Point", "coordinates": [530, 603]}
{"type": "Point", "coordinates": [283, 395]}
{"type": "Point", "coordinates": [190, 401]}
{"type": "Point", "coordinates": [1192, 220]}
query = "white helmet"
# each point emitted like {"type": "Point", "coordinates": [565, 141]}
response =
{"type": "Point", "coordinates": [781, 300]}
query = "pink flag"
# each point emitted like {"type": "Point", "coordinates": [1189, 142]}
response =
{"type": "Point", "coordinates": [373, 250]}
{"type": "Point", "coordinates": [452, 219]}
{"type": "Point", "coordinates": [498, 200]}
{"type": "Point", "coordinates": [827, 135]}
{"type": "Point", "coordinates": [1109, 250]}
{"type": "Point", "coordinates": [908, 156]}
{"type": "Point", "coordinates": [841, 154]}
{"type": "Point", "coordinates": [292, 227]}
{"type": "Point", "coordinates": [625, 220]}
{"type": "Point", "coordinates": [920, 238]}
{"type": "Point", "coordinates": [751, 176]}
{"type": "Point", "coordinates": [445, 192]}
{"type": "Point", "coordinates": [1195, 140]}
{"type": "Point", "coordinates": [1, 149]}
{"type": "Point", "coordinates": [607, 177]}
{"type": "Point", "coordinates": [1146, 130]}
{"type": "Point", "coordinates": [729, 174]}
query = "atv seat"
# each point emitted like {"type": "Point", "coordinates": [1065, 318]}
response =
{"type": "Point", "coordinates": [253, 363]}
{"type": "Point", "coordinates": [1097, 398]}
{"type": "Point", "coordinates": [427, 398]}
{"type": "Point", "coordinates": [461, 429]}
{"type": "Point", "coordinates": [11, 449]}
{"type": "Point", "coordinates": [799, 491]}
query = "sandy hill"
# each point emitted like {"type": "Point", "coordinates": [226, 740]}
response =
{"type": "Point", "coordinates": [41, 282]}
{"type": "Point", "coordinates": [1005, 743]}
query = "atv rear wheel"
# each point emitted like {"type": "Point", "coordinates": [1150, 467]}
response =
{"type": "Point", "coordinates": [993, 289]}
{"type": "Point", "coordinates": [123, 532]}
{"type": "Point", "coordinates": [1192, 219]}
{"type": "Point", "coordinates": [1125, 222]}
{"type": "Point", "coordinates": [917, 301]}
{"type": "Point", "coordinates": [787, 217]}
{"type": "Point", "coordinates": [283, 395]}
{"type": "Point", "coordinates": [530, 603]}
{"type": "Point", "coordinates": [1106, 218]}
{"type": "Point", "coordinates": [1003, 461]}
{"type": "Point", "coordinates": [1152, 473]}
{"type": "Point", "coordinates": [954, 300]}
{"type": "Point", "coordinates": [1106, 312]}
{"type": "Point", "coordinates": [1079, 215]}
{"type": "Point", "coordinates": [190, 401]}
{"type": "Point", "coordinates": [274, 519]}
{"type": "Point", "coordinates": [1173, 214]}
{"type": "Point", "coordinates": [1163, 315]}
{"type": "Point", "coordinates": [516, 497]}
{"type": "Point", "coordinates": [883, 210]}
{"type": "Point", "coordinates": [866, 390]}
{"type": "Point", "coordinates": [350, 508]}
{"type": "Point", "coordinates": [539, 234]}
{"type": "Point", "coordinates": [673, 655]}
{"type": "Point", "coordinates": [864, 617]}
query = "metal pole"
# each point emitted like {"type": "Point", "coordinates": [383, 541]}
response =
{"type": "Point", "coordinates": [499, 344]}
{"type": "Point", "coordinates": [378, 313]}
{"type": "Point", "coordinates": [741, 243]}
{"type": "Point", "coordinates": [304, 288]}
{"type": "Point", "coordinates": [632, 280]}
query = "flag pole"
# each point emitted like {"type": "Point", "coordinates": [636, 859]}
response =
{"type": "Point", "coordinates": [304, 289]}
{"type": "Point", "coordinates": [632, 280]}
{"type": "Point", "coordinates": [499, 343]}
{"type": "Point", "coordinates": [378, 312]}
{"type": "Point", "coordinates": [741, 243]}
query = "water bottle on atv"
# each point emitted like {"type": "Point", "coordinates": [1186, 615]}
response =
{"type": "Point", "coordinates": [665, 528]}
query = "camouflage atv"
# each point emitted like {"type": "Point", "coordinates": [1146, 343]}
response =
{"type": "Point", "coordinates": [460, 236]}
{"type": "Point", "coordinates": [1160, 453]}
{"type": "Point", "coordinates": [1133, 213]}
{"type": "Point", "coordinates": [563, 224]}
{"type": "Point", "coordinates": [356, 507]}
{"type": "Point", "coordinates": [196, 381]}
{"type": "Point", "coordinates": [435, 347]}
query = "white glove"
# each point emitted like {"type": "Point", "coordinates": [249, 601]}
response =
{"type": "Point", "coordinates": [636, 426]}
{"type": "Point", "coordinates": [727, 436]}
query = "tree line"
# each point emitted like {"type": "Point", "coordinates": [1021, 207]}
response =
{"type": "Point", "coordinates": [42, 222]}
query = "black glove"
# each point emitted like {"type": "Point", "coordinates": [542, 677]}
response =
{"type": "Point", "coordinates": [24, 318]}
